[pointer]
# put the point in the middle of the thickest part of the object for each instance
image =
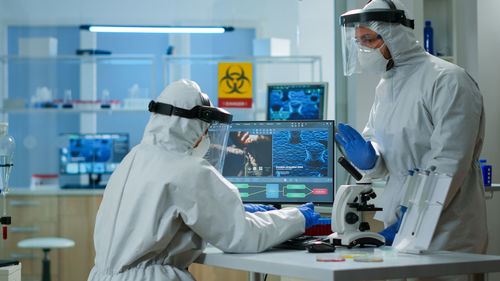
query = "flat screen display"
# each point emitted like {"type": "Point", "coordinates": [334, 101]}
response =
{"type": "Point", "coordinates": [92, 153]}
{"type": "Point", "coordinates": [281, 161]}
{"type": "Point", "coordinates": [297, 101]}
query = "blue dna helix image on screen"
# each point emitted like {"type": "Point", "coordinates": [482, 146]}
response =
{"type": "Point", "coordinates": [281, 161]}
{"type": "Point", "coordinates": [301, 153]}
{"type": "Point", "coordinates": [305, 101]}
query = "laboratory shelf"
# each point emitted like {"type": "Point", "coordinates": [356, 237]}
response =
{"type": "Point", "coordinates": [71, 110]}
{"type": "Point", "coordinates": [216, 59]}
{"type": "Point", "coordinates": [55, 192]}
{"type": "Point", "coordinates": [101, 59]}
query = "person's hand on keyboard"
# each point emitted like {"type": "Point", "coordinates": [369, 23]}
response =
{"type": "Point", "coordinates": [252, 208]}
{"type": "Point", "coordinates": [310, 215]}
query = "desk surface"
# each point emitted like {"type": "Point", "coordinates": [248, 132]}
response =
{"type": "Point", "coordinates": [301, 264]}
{"type": "Point", "coordinates": [55, 192]}
{"type": "Point", "coordinates": [493, 187]}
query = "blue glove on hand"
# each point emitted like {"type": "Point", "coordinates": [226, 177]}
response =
{"type": "Point", "coordinates": [359, 151]}
{"type": "Point", "coordinates": [309, 214]}
{"type": "Point", "coordinates": [252, 208]}
{"type": "Point", "coordinates": [390, 232]}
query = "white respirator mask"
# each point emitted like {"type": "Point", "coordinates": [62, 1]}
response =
{"type": "Point", "coordinates": [372, 60]}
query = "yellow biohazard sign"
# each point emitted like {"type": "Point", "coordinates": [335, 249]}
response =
{"type": "Point", "coordinates": [235, 84]}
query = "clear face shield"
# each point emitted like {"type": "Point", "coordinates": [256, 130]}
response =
{"type": "Point", "coordinates": [218, 134]}
{"type": "Point", "coordinates": [359, 50]}
{"type": "Point", "coordinates": [213, 144]}
{"type": "Point", "coordinates": [360, 44]}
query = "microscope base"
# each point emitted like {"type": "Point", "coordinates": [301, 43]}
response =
{"type": "Point", "coordinates": [352, 239]}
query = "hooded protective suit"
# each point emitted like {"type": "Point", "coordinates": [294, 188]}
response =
{"type": "Point", "coordinates": [428, 112]}
{"type": "Point", "coordinates": [162, 205]}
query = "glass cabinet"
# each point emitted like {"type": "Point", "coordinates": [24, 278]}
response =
{"type": "Point", "coordinates": [44, 99]}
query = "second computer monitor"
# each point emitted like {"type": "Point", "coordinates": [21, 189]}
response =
{"type": "Point", "coordinates": [281, 161]}
{"type": "Point", "coordinates": [297, 101]}
{"type": "Point", "coordinates": [92, 153]}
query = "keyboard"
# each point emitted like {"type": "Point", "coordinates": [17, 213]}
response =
{"type": "Point", "coordinates": [297, 243]}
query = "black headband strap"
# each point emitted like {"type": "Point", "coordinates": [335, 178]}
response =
{"type": "Point", "coordinates": [385, 15]}
{"type": "Point", "coordinates": [202, 112]}
{"type": "Point", "coordinates": [391, 4]}
{"type": "Point", "coordinates": [168, 109]}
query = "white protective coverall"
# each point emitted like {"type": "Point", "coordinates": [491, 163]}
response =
{"type": "Point", "coordinates": [429, 112]}
{"type": "Point", "coordinates": [162, 205]}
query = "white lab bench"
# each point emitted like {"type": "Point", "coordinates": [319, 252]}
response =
{"type": "Point", "coordinates": [490, 189]}
{"type": "Point", "coordinates": [10, 273]}
{"type": "Point", "coordinates": [493, 187]}
{"type": "Point", "coordinates": [303, 265]}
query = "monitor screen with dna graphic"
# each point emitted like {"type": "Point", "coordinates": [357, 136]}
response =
{"type": "Point", "coordinates": [281, 161]}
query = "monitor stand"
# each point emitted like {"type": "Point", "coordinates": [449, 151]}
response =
{"type": "Point", "coordinates": [94, 180]}
{"type": "Point", "coordinates": [276, 205]}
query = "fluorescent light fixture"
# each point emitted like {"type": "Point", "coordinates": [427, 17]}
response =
{"type": "Point", "coordinates": [157, 29]}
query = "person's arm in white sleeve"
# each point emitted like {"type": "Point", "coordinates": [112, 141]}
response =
{"type": "Point", "coordinates": [215, 212]}
{"type": "Point", "coordinates": [456, 109]}
{"type": "Point", "coordinates": [379, 170]}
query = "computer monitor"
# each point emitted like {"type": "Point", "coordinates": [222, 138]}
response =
{"type": "Point", "coordinates": [280, 162]}
{"type": "Point", "coordinates": [92, 153]}
{"type": "Point", "coordinates": [297, 101]}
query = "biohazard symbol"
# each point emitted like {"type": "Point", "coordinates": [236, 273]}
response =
{"type": "Point", "coordinates": [235, 80]}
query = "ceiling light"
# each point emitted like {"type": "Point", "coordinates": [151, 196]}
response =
{"type": "Point", "coordinates": [157, 29]}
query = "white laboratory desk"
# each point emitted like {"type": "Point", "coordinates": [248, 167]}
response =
{"type": "Point", "coordinates": [301, 264]}
{"type": "Point", "coordinates": [494, 187]}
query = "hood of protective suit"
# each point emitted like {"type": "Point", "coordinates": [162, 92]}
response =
{"type": "Point", "coordinates": [175, 133]}
{"type": "Point", "coordinates": [400, 39]}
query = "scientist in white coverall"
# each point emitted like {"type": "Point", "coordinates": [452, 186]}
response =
{"type": "Point", "coordinates": [164, 202]}
{"type": "Point", "coordinates": [427, 112]}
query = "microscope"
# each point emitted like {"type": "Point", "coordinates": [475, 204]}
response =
{"type": "Point", "coordinates": [350, 201]}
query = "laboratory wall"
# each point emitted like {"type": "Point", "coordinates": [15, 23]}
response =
{"type": "Point", "coordinates": [489, 82]}
{"type": "Point", "coordinates": [308, 24]}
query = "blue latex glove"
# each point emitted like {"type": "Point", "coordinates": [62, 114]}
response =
{"type": "Point", "coordinates": [252, 208]}
{"type": "Point", "coordinates": [390, 232]}
{"type": "Point", "coordinates": [309, 214]}
{"type": "Point", "coordinates": [360, 152]}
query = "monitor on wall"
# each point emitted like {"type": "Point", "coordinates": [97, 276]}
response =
{"type": "Point", "coordinates": [297, 101]}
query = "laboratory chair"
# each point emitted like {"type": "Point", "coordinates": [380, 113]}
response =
{"type": "Point", "coordinates": [46, 244]}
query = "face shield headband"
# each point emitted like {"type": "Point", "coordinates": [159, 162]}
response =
{"type": "Point", "coordinates": [392, 15]}
{"type": "Point", "coordinates": [203, 112]}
